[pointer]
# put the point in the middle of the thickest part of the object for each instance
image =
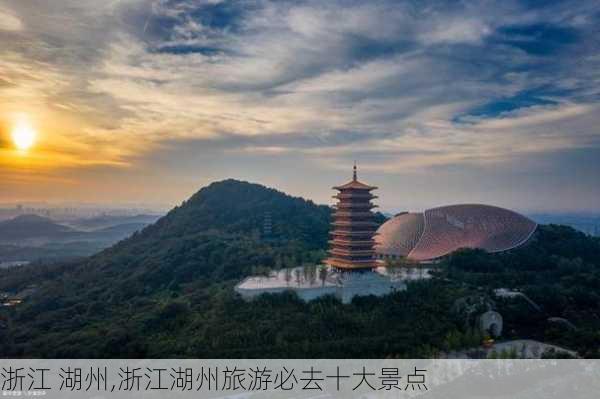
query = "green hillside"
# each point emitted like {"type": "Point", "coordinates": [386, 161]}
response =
{"type": "Point", "coordinates": [167, 291]}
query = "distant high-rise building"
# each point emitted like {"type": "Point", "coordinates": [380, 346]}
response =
{"type": "Point", "coordinates": [353, 227]}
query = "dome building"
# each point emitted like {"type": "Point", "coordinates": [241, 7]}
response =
{"type": "Point", "coordinates": [440, 231]}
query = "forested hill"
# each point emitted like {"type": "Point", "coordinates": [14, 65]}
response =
{"type": "Point", "coordinates": [199, 248]}
{"type": "Point", "coordinates": [234, 206]}
{"type": "Point", "coordinates": [197, 239]}
{"type": "Point", "coordinates": [167, 291]}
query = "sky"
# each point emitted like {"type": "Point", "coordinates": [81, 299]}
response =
{"type": "Point", "coordinates": [146, 101]}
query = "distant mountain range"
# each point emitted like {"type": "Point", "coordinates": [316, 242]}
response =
{"type": "Point", "coordinates": [32, 226]}
{"type": "Point", "coordinates": [108, 221]}
{"type": "Point", "coordinates": [33, 237]}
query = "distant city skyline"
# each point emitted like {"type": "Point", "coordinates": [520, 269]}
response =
{"type": "Point", "coordinates": [145, 101]}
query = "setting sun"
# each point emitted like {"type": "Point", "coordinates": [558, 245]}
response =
{"type": "Point", "coordinates": [23, 135]}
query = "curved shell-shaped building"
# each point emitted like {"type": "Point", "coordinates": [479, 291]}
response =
{"type": "Point", "coordinates": [440, 231]}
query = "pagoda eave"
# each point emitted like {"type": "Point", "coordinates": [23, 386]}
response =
{"type": "Point", "coordinates": [356, 196]}
{"type": "Point", "coordinates": [369, 233]}
{"type": "Point", "coordinates": [351, 252]}
{"type": "Point", "coordinates": [351, 242]}
{"type": "Point", "coordinates": [352, 265]}
{"type": "Point", "coordinates": [361, 223]}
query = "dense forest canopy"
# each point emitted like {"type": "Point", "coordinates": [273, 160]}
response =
{"type": "Point", "coordinates": [167, 291]}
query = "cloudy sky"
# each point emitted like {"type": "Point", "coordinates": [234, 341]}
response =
{"type": "Point", "coordinates": [139, 101]}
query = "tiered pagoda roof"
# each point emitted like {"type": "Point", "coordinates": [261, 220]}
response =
{"type": "Point", "coordinates": [353, 227]}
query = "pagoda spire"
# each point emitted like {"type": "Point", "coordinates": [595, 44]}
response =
{"type": "Point", "coordinates": [354, 172]}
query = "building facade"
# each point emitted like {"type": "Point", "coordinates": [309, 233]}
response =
{"type": "Point", "coordinates": [440, 231]}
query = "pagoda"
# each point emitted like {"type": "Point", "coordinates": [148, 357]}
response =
{"type": "Point", "coordinates": [353, 224]}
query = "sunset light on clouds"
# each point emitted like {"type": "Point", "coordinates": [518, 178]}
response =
{"type": "Point", "coordinates": [494, 102]}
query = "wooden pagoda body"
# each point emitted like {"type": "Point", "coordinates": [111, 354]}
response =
{"type": "Point", "coordinates": [353, 227]}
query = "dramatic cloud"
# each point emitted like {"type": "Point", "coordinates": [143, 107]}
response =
{"type": "Point", "coordinates": [8, 22]}
{"type": "Point", "coordinates": [409, 89]}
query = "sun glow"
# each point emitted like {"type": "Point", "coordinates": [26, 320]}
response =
{"type": "Point", "coordinates": [23, 135]}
